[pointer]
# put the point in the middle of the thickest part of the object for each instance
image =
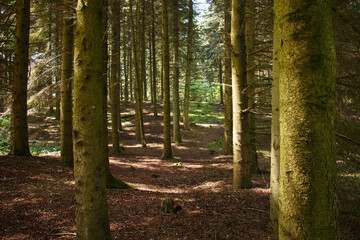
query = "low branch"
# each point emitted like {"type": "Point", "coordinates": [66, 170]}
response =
{"type": "Point", "coordinates": [348, 139]}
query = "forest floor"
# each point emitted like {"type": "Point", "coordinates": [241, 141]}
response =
{"type": "Point", "coordinates": [37, 194]}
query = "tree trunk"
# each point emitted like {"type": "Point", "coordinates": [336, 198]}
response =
{"type": "Point", "coordinates": [307, 62]}
{"type": "Point", "coordinates": [91, 213]}
{"type": "Point", "coordinates": [166, 80]}
{"type": "Point", "coordinates": [227, 146]}
{"type": "Point", "coordinates": [66, 139]}
{"type": "Point", "coordinates": [19, 143]}
{"type": "Point", "coordinates": [154, 69]}
{"type": "Point", "coordinates": [250, 76]}
{"type": "Point", "coordinates": [241, 161]}
{"type": "Point", "coordinates": [275, 138]}
{"type": "Point", "coordinates": [176, 101]}
{"type": "Point", "coordinates": [115, 82]}
{"type": "Point", "coordinates": [221, 83]}
{"type": "Point", "coordinates": [188, 67]}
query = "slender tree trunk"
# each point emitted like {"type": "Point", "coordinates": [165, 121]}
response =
{"type": "Point", "coordinates": [66, 139]}
{"type": "Point", "coordinates": [221, 83]}
{"type": "Point", "coordinates": [19, 143]}
{"type": "Point", "coordinates": [176, 101]}
{"type": "Point", "coordinates": [92, 221]}
{"type": "Point", "coordinates": [241, 161]}
{"type": "Point", "coordinates": [142, 53]}
{"type": "Point", "coordinates": [166, 73]}
{"type": "Point", "coordinates": [275, 138]}
{"type": "Point", "coordinates": [115, 82]}
{"type": "Point", "coordinates": [250, 76]}
{"type": "Point", "coordinates": [154, 69]}
{"type": "Point", "coordinates": [57, 62]}
{"type": "Point", "coordinates": [227, 146]}
{"type": "Point", "coordinates": [188, 67]}
{"type": "Point", "coordinates": [307, 64]}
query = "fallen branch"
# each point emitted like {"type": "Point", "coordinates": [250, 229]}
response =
{"type": "Point", "coordinates": [255, 209]}
{"type": "Point", "coordinates": [348, 139]}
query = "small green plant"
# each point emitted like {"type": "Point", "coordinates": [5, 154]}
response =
{"type": "Point", "coordinates": [37, 148]}
{"type": "Point", "coordinates": [215, 145]}
{"type": "Point", "coordinates": [5, 122]}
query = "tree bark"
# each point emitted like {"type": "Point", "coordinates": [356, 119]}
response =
{"type": "Point", "coordinates": [19, 142]}
{"type": "Point", "coordinates": [91, 213]}
{"type": "Point", "coordinates": [241, 161]}
{"type": "Point", "coordinates": [188, 67]}
{"type": "Point", "coordinates": [166, 80]}
{"type": "Point", "coordinates": [176, 101]}
{"type": "Point", "coordinates": [66, 138]}
{"type": "Point", "coordinates": [154, 68]}
{"type": "Point", "coordinates": [227, 145]}
{"type": "Point", "coordinates": [250, 77]}
{"type": "Point", "coordinates": [115, 81]}
{"type": "Point", "coordinates": [307, 64]}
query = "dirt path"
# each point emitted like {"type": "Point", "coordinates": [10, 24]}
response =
{"type": "Point", "coordinates": [37, 196]}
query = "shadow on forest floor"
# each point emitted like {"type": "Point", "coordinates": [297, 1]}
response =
{"type": "Point", "coordinates": [37, 195]}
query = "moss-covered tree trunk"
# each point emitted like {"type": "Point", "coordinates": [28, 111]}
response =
{"type": "Point", "coordinates": [188, 66]}
{"type": "Point", "coordinates": [227, 145]}
{"type": "Point", "coordinates": [19, 142]}
{"type": "Point", "coordinates": [241, 160]}
{"type": "Point", "coordinates": [167, 153]}
{"type": "Point", "coordinates": [175, 86]}
{"type": "Point", "coordinates": [250, 78]}
{"type": "Point", "coordinates": [91, 213]}
{"type": "Point", "coordinates": [66, 139]}
{"type": "Point", "coordinates": [275, 137]}
{"type": "Point", "coordinates": [114, 78]}
{"type": "Point", "coordinates": [306, 58]}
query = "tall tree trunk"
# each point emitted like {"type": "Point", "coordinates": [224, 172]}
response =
{"type": "Point", "coordinates": [143, 53]}
{"type": "Point", "coordinates": [139, 125]}
{"type": "Point", "coordinates": [92, 221]}
{"type": "Point", "coordinates": [19, 143]}
{"type": "Point", "coordinates": [57, 62]}
{"type": "Point", "coordinates": [221, 82]}
{"type": "Point", "coordinates": [275, 138]}
{"type": "Point", "coordinates": [188, 67]}
{"type": "Point", "coordinates": [66, 139]}
{"type": "Point", "coordinates": [176, 101]}
{"type": "Point", "coordinates": [227, 146]}
{"type": "Point", "coordinates": [115, 82]}
{"type": "Point", "coordinates": [307, 64]}
{"type": "Point", "coordinates": [250, 76]}
{"type": "Point", "coordinates": [241, 161]}
{"type": "Point", "coordinates": [154, 69]}
{"type": "Point", "coordinates": [166, 80]}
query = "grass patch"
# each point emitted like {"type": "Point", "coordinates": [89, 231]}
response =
{"type": "Point", "coordinates": [205, 113]}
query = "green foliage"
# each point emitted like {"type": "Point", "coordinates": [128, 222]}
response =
{"type": "Point", "coordinates": [5, 123]}
{"type": "Point", "coordinates": [178, 164]}
{"type": "Point", "coordinates": [204, 113]}
{"type": "Point", "coordinates": [215, 145]}
{"type": "Point", "coordinates": [37, 148]}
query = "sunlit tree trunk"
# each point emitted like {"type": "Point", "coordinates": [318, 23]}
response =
{"type": "Point", "coordinates": [114, 79]}
{"type": "Point", "coordinates": [91, 213]}
{"type": "Point", "coordinates": [166, 80]}
{"type": "Point", "coordinates": [227, 145]}
{"type": "Point", "coordinates": [175, 87]}
{"type": "Point", "coordinates": [66, 140]}
{"type": "Point", "coordinates": [275, 137]}
{"type": "Point", "coordinates": [188, 67]}
{"type": "Point", "coordinates": [241, 161]}
{"type": "Point", "coordinates": [306, 58]}
{"type": "Point", "coordinates": [19, 143]}
{"type": "Point", "coordinates": [250, 77]}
